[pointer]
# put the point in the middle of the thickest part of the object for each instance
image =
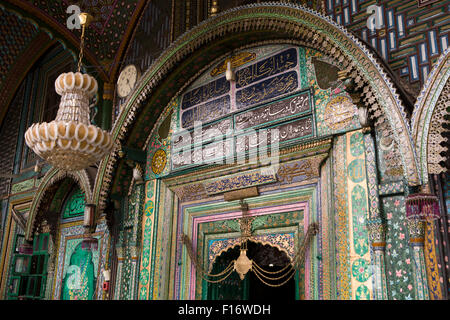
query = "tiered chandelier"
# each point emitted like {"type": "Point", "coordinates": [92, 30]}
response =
{"type": "Point", "coordinates": [71, 142]}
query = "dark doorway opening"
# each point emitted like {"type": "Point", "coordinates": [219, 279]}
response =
{"type": "Point", "coordinates": [251, 288]}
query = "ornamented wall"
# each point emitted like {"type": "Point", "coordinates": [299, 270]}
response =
{"type": "Point", "coordinates": [353, 188]}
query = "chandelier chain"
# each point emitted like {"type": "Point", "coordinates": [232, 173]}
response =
{"type": "Point", "coordinates": [218, 280]}
{"type": "Point", "coordinates": [80, 56]}
{"type": "Point", "coordinates": [260, 271]}
{"type": "Point", "coordinates": [274, 285]}
{"type": "Point", "coordinates": [197, 265]}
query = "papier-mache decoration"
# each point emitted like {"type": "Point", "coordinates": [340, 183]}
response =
{"type": "Point", "coordinates": [71, 142]}
{"type": "Point", "coordinates": [422, 206]}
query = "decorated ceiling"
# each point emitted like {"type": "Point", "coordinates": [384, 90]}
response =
{"type": "Point", "coordinates": [17, 37]}
{"type": "Point", "coordinates": [16, 34]}
{"type": "Point", "coordinates": [106, 37]}
{"type": "Point", "coordinates": [30, 27]}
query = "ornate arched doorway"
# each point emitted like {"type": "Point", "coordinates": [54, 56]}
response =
{"type": "Point", "coordinates": [328, 161]}
{"type": "Point", "coordinates": [269, 258]}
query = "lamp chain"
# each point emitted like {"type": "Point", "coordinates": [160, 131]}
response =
{"type": "Point", "coordinates": [260, 273]}
{"type": "Point", "coordinates": [228, 270]}
{"type": "Point", "coordinates": [80, 57]}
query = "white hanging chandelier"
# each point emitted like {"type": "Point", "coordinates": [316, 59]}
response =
{"type": "Point", "coordinates": [71, 142]}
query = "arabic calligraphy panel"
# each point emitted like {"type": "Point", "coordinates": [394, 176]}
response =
{"type": "Point", "coordinates": [287, 108]}
{"type": "Point", "coordinates": [208, 132]}
{"type": "Point", "coordinates": [301, 128]}
{"type": "Point", "coordinates": [239, 181]}
{"type": "Point", "coordinates": [206, 92]}
{"type": "Point", "coordinates": [215, 152]}
{"type": "Point", "coordinates": [267, 89]}
{"type": "Point", "coordinates": [275, 64]}
{"type": "Point", "coordinates": [206, 112]}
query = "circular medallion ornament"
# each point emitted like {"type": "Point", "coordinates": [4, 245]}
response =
{"type": "Point", "coordinates": [149, 206]}
{"type": "Point", "coordinates": [362, 293]}
{"type": "Point", "coordinates": [159, 161]}
{"type": "Point", "coordinates": [339, 112]}
{"type": "Point", "coordinates": [360, 270]}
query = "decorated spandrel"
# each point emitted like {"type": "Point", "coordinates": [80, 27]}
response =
{"type": "Point", "coordinates": [267, 89]}
{"type": "Point", "coordinates": [273, 65]}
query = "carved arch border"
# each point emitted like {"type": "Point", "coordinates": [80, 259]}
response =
{"type": "Point", "coordinates": [300, 23]}
{"type": "Point", "coordinates": [52, 177]}
{"type": "Point", "coordinates": [428, 117]}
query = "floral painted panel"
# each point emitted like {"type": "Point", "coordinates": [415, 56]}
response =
{"type": "Point", "coordinates": [360, 257]}
{"type": "Point", "coordinates": [148, 221]}
{"type": "Point", "coordinates": [399, 257]}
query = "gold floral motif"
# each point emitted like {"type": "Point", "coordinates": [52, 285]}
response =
{"type": "Point", "coordinates": [159, 161]}
{"type": "Point", "coordinates": [431, 262]}
{"type": "Point", "coordinates": [339, 112]}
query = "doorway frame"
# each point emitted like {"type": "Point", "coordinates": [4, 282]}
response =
{"type": "Point", "coordinates": [304, 198]}
{"type": "Point", "coordinates": [262, 243]}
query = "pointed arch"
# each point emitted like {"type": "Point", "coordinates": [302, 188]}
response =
{"type": "Point", "coordinates": [428, 118]}
{"type": "Point", "coordinates": [52, 177]}
{"type": "Point", "coordinates": [257, 22]}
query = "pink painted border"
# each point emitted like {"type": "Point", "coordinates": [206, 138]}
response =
{"type": "Point", "coordinates": [252, 212]}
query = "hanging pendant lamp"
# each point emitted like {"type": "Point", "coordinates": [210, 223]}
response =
{"type": "Point", "coordinates": [71, 142]}
{"type": "Point", "coordinates": [422, 207]}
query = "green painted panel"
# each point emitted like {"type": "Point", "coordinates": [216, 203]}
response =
{"type": "Point", "coordinates": [74, 205]}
